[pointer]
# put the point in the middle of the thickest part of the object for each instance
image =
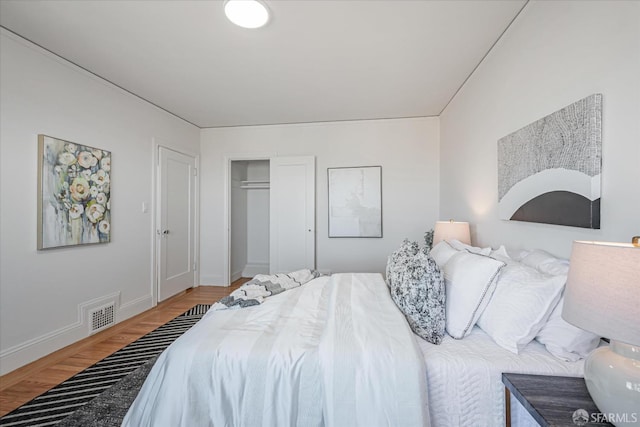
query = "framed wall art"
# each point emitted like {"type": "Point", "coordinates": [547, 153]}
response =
{"type": "Point", "coordinates": [355, 201]}
{"type": "Point", "coordinates": [549, 171]}
{"type": "Point", "coordinates": [74, 194]}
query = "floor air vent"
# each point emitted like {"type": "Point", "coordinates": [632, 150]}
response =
{"type": "Point", "coordinates": [101, 318]}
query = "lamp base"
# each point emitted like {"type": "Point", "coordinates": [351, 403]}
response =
{"type": "Point", "coordinates": [612, 375]}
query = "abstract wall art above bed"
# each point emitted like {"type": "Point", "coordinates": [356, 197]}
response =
{"type": "Point", "coordinates": [549, 171]}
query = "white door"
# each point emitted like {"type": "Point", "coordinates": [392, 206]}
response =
{"type": "Point", "coordinates": [176, 223]}
{"type": "Point", "coordinates": [292, 214]}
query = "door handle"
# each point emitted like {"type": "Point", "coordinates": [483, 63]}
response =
{"type": "Point", "coordinates": [165, 232]}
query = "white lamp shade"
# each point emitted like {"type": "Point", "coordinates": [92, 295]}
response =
{"type": "Point", "coordinates": [603, 290]}
{"type": "Point", "coordinates": [451, 230]}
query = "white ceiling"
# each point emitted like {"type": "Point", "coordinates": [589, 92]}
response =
{"type": "Point", "coordinates": [314, 61]}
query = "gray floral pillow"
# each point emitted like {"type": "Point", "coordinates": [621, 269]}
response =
{"type": "Point", "coordinates": [428, 241]}
{"type": "Point", "coordinates": [395, 269]}
{"type": "Point", "coordinates": [417, 288]}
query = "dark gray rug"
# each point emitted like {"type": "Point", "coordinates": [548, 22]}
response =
{"type": "Point", "coordinates": [109, 409]}
{"type": "Point", "coordinates": [101, 394]}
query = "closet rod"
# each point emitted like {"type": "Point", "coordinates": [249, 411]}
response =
{"type": "Point", "coordinates": [255, 187]}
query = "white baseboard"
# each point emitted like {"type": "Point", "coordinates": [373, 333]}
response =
{"type": "Point", "coordinates": [235, 276]}
{"type": "Point", "coordinates": [28, 351]}
{"type": "Point", "coordinates": [134, 307]}
{"type": "Point", "coordinates": [35, 348]}
{"type": "Point", "coordinates": [252, 269]}
{"type": "Point", "coordinates": [211, 280]}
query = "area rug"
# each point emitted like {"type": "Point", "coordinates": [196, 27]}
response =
{"type": "Point", "coordinates": [101, 394]}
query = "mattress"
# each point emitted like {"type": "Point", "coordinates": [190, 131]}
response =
{"type": "Point", "coordinates": [464, 377]}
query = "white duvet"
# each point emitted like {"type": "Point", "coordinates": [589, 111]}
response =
{"type": "Point", "coordinates": [333, 352]}
{"type": "Point", "coordinates": [464, 377]}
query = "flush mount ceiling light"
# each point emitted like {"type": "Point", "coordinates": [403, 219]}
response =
{"type": "Point", "coordinates": [247, 13]}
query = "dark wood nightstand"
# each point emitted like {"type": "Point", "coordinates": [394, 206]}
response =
{"type": "Point", "coordinates": [551, 400]}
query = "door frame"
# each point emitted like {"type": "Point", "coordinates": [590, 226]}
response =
{"type": "Point", "coordinates": [156, 211]}
{"type": "Point", "coordinates": [226, 223]}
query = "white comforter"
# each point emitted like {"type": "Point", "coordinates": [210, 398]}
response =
{"type": "Point", "coordinates": [333, 352]}
{"type": "Point", "coordinates": [465, 377]}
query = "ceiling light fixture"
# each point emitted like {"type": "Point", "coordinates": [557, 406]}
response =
{"type": "Point", "coordinates": [247, 13]}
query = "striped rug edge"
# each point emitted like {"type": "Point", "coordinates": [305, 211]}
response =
{"type": "Point", "coordinates": [64, 399]}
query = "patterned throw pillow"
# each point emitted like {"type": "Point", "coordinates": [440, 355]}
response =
{"type": "Point", "coordinates": [428, 241]}
{"type": "Point", "coordinates": [417, 288]}
{"type": "Point", "coordinates": [395, 268]}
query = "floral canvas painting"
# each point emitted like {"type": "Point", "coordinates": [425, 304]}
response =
{"type": "Point", "coordinates": [74, 194]}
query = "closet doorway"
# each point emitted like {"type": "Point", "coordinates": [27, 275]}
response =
{"type": "Point", "coordinates": [270, 215]}
{"type": "Point", "coordinates": [249, 218]}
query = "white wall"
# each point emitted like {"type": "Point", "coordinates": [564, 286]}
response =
{"type": "Point", "coordinates": [554, 53]}
{"type": "Point", "coordinates": [407, 150]}
{"type": "Point", "coordinates": [40, 291]}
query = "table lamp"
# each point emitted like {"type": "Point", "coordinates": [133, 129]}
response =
{"type": "Point", "coordinates": [602, 295]}
{"type": "Point", "coordinates": [451, 230]}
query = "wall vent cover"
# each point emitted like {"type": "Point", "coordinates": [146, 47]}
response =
{"type": "Point", "coordinates": [102, 317]}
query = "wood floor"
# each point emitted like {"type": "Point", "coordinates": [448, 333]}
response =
{"type": "Point", "coordinates": [23, 384]}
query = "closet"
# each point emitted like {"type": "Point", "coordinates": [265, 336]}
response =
{"type": "Point", "coordinates": [249, 238]}
{"type": "Point", "coordinates": [270, 216]}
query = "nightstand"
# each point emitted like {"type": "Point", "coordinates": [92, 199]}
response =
{"type": "Point", "coordinates": [551, 400]}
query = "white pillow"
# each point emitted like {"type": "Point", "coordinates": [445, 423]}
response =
{"type": "Point", "coordinates": [441, 253]}
{"type": "Point", "coordinates": [500, 252]}
{"type": "Point", "coordinates": [469, 282]}
{"type": "Point", "coordinates": [545, 262]}
{"type": "Point", "coordinates": [459, 246]}
{"type": "Point", "coordinates": [517, 254]}
{"type": "Point", "coordinates": [564, 340]}
{"type": "Point", "coordinates": [520, 306]}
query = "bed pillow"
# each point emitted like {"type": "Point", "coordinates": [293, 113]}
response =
{"type": "Point", "coordinates": [521, 304]}
{"type": "Point", "coordinates": [564, 340]}
{"type": "Point", "coordinates": [428, 241]}
{"type": "Point", "coordinates": [470, 280]}
{"type": "Point", "coordinates": [417, 288]}
{"type": "Point", "coordinates": [459, 246]}
{"type": "Point", "coordinates": [395, 261]}
{"type": "Point", "coordinates": [518, 254]}
{"type": "Point", "coordinates": [442, 252]}
{"type": "Point", "coordinates": [501, 252]}
{"type": "Point", "coordinates": [545, 262]}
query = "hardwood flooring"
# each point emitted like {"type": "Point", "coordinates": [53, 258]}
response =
{"type": "Point", "coordinates": [23, 384]}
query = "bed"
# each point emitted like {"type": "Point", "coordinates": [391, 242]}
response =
{"type": "Point", "coordinates": [335, 351]}
{"type": "Point", "coordinates": [464, 378]}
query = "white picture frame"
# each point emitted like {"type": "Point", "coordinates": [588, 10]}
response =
{"type": "Point", "coordinates": [355, 201]}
